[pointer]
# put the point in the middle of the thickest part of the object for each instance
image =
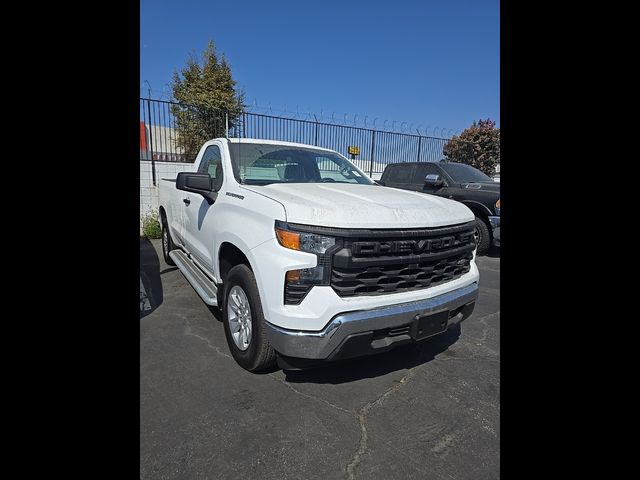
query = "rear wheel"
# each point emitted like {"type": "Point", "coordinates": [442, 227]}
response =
{"type": "Point", "coordinates": [167, 243]}
{"type": "Point", "coordinates": [244, 323]}
{"type": "Point", "coordinates": [482, 235]}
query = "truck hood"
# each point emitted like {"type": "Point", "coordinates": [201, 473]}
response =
{"type": "Point", "coordinates": [363, 206]}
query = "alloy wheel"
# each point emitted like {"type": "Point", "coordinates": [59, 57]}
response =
{"type": "Point", "coordinates": [239, 315]}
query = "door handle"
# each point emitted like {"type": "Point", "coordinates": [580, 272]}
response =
{"type": "Point", "coordinates": [186, 201]}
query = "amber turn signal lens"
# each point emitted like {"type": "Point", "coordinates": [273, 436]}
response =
{"type": "Point", "coordinates": [293, 276]}
{"type": "Point", "coordinates": [288, 239]}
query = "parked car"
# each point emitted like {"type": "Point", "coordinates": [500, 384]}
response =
{"type": "Point", "coordinates": [456, 181]}
{"type": "Point", "coordinates": [309, 259]}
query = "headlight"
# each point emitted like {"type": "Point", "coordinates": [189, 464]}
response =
{"type": "Point", "coordinates": [297, 283]}
{"type": "Point", "coordinates": [498, 207]}
{"type": "Point", "coordinates": [305, 242]}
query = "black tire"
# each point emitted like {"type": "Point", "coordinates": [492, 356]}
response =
{"type": "Point", "coordinates": [483, 236]}
{"type": "Point", "coordinates": [167, 242]}
{"type": "Point", "coordinates": [259, 355]}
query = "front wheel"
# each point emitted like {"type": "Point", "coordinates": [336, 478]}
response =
{"type": "Point", "coordinates": [482, 235]}
{"type": "Point", "coordinates": [244, 321]}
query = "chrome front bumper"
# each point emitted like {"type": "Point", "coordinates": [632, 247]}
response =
{"type": "Point", "coordinates": [362, 332]}
{"type": "Point", "coordinates": [495, 227]}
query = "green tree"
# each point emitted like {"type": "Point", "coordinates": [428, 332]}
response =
{"type": "Point", "coordinates": [478, 146]}
{"type": "Point", "coordinates": [205, 91]}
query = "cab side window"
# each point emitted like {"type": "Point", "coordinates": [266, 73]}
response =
{"type": "Point", "coordinates": [211, 162]}
{"type": "Point", "coordinates": [423, 170]}
{"type": "Point", "coordinates": [401, 174]}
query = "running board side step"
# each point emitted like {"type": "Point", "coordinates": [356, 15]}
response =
{"type": "Point", "coordinates": [198, 280]}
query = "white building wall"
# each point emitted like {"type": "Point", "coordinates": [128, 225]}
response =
{"type": "Point", "coordinates": [149, 201]}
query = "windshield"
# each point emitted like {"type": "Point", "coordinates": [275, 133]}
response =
{"type": "Point", "coordinates": [461, 173]}
{"type": "Point", "coordinates": [263, 164]}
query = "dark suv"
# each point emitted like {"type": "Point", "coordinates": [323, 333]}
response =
{"type": "Point", "coordinates": [457, 181]}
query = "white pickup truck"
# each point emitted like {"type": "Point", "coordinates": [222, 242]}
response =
{"type": "Point", "coordinates": [308, 259]}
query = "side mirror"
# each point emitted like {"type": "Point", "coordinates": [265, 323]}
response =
{"type": "Point", "coordinates": [433, 180]}
{"type": "Point", "coordinates": [200, 183]}
{"type": "Point", "coordinates": [380, 182]}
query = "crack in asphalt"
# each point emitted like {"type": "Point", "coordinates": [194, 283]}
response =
{"type": "Point", "coordinates": [362, 447]}
{"type": "Point", "coordinates": [412, 460]}
{"type": "Point", "coordinates": [362, 416]}
{"type": "Point", "coordinates": [312, 397]}
{"type": "Point", "coordinates": [189, 332]}
{"type": "Point", "coordinates": [483, 321]}
{"type": "Point", "coordinates": [479, 342]}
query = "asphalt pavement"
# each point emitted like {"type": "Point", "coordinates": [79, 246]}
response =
{"type": "Point", "coordinates": [430, 411]}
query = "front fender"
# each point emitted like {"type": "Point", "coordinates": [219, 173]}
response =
{"type": "Point", "coordinates": [473, 205]}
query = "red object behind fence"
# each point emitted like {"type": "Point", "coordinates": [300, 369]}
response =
{"type": "Point", "coordinates": [143, 136]}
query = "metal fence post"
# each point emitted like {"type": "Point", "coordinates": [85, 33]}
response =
{"type": "Point", "coordinates": [316, 129]}
{"type": "Point", "coordinates": [373, 143]}
{"type": "Point", "coordinates": [153, 162]}
{"type": "Point", "coordinates": [419, 145]}
{"type": "Point", "coordinates": [244, 125]}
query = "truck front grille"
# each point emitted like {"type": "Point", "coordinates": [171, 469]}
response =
{"type": "Point", "coordinates": [390, 262]}
{"type": "Point", "coordinates": [398, 277]}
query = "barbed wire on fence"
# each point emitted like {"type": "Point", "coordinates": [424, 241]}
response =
{"type": "Point", "coordinates": [347, 119]}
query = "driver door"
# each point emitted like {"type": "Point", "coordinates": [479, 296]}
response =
{"type": "Point", "coordinates": [199, 215]}
{"type": "Point", "coordinates": [418, 183]}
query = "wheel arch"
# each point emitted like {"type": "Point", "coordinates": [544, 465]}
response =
{"type": "Point", "coordinates": [229, 255]}
{"type": "Point", "coordinates": [478, 209]}
{"type": "Point", "coordinates": [162, 213]}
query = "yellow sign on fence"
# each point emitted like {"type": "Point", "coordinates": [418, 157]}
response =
{"type": "Point", "coordinates": [353, 150]}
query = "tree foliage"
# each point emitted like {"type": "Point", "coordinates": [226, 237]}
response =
{"type": "Point", "coordinates": [478, 146]}
{"type": "Point", "coordinates": [205, 91]}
